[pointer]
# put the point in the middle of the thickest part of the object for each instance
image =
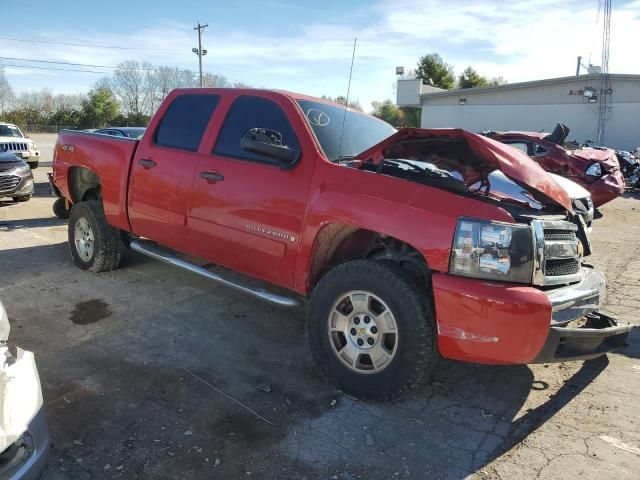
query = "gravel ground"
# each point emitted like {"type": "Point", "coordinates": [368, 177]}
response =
{"type": "Point", "coordinates": [151, 372]}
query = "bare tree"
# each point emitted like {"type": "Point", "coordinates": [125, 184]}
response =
{"type": "Point", "coordinates": [210, 80]}
{"type": "Point", "coordinates": [130, 84]}
{"type": "Point", "coordinates": [6, 92]}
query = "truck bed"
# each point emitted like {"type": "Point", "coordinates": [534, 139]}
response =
{"type": "Point", "coordinates": [112, 156]}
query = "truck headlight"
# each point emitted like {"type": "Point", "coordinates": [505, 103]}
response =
{"type": "Point", "coordinates": [492, 251]}
{"type": "Point", "coordinates": [594, 170]}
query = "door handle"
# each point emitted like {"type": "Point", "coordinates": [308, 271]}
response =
{"type": "Point", "coordinates": [147, 163]}
{"type": "Point", "coordinates": [212, 177]}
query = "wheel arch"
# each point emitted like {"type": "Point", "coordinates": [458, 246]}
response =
{"type": "Point", "coordinates": [84, 184]}
{"type": "Point", "coordinates": [337, 243]}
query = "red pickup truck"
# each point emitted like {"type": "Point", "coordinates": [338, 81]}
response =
{"type": "Point", "coordinates": [408, 245]}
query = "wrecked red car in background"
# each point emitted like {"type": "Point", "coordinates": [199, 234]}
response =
{"type": "Point", "coordinates": [595, 168]}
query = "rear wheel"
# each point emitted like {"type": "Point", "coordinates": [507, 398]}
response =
{"type": "Point", "coordinates": [60, 209]}
{"type": "Point", "coordinates": [371, 330]}
{"type": "Point", "coordinates": [94, 244]}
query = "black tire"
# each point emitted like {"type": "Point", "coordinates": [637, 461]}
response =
{"type": "Point", "coordinates": [59, 208]}
{"type": "Point", "coordinates": [22, 198]}
{"type": "Point", "coordinates": [32, 165]}
{"type": "Point", "coordinates": [107, 247]}
{"type": "Point", "coordinates": [416, 351]}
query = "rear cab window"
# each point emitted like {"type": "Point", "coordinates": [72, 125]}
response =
{"type": "Point", "coordinates": [185, 121]}
{"type": "Point", "coordinates": [249, 112]}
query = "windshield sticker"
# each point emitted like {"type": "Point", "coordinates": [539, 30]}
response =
{"type": "Point", "coordinates": [318, 117]}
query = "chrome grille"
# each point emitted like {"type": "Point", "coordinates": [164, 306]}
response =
{"type": "Point", "coordinates": [558, 257]}
{"type": "Point", "coordinates": [558, 267]}
{"type": "Point", "coordinates": [554, 235]}
{"type": "Point", "coordinates": [15, 146]}
{"type": "Point", "coordinates": [8, 183]}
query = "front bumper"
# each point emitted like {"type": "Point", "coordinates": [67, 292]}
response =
{"type": "Point", "coordinates": [24, 439]}
{"type": "Point", "coordinates": [606, 188]}
{"type": "Point", "coordinates": [23, 187]}
{"type": "Point", "coordinates": [31, 155]}
{"type": "Point", "coordinates": [490, 322]}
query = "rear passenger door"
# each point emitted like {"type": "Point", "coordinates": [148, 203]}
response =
{"type": "Point", "coordinates": [247, 209]}
{"type": "Point", "coordinates": [164, 168]}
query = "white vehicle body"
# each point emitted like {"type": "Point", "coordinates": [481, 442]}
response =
{"type": "Point", "coordinates": [24, 436]}
{"type": "Point", "coordinates": [14, 141]}
{"type": "Point", "coordinates": [580, 199]}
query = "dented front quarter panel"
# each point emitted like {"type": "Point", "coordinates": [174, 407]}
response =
{"type": "Point", "coordinates": [489, 322]}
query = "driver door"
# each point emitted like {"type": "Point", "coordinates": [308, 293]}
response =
{"type": "Point", "coordinates": [247, 208]}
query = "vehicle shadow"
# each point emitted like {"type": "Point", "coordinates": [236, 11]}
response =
{"type": "Point", "coordinates": [10, 225]}
{"type": "Point", "coordinates": [41, 189]}
{"type": "Point", "coordinates": [469, 416]}
{"type": "Point", "coordinates": [632, 349]}
{"type": "Point", "coordinates": [465, 418]}
{"type": "Point", "coordinates": [524, 426]}
{"type": "Point", "coordinates": [632, 193]}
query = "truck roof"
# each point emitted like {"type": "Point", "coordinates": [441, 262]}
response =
{"type": "Point", "coordinates": [253, 91]}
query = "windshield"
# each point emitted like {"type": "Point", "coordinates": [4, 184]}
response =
{"type": "Point", "coordinates": [10, 131]}
{"type": "Point", "coordinates": [360, 131]}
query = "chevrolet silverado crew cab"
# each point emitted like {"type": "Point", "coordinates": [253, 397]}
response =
{"type": "Point", "coordinates": [405, 245]}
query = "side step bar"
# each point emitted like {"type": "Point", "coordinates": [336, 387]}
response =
{"type": "Point", "coordinates": [150, 249]}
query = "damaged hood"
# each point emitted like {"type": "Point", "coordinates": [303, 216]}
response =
{"type": "Point", "coordinates": [605, 156]}
{"type": "Point", "coordinates": [488, 155]}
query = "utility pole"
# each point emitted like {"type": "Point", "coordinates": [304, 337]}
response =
{"type": "Point", "coordinates": [199, 51]}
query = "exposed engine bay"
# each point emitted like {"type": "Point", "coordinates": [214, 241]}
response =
{"type": "Point", "coordinates": [450, 164]}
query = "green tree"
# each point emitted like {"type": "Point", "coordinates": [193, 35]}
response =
{"type": "Point", "coordinates": [436, 72]}
{"type": "Point", "coordinates": [399, 117]}
{"type": "Point", "coordinates": [100, 108]}
{"type": "Point", "coordinates": [342, 100]}
{"type": "Point", "coordinates": [469, 78]}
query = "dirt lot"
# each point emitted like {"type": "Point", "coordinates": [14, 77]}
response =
{"type": "Point", "coordinates": [139, 368]}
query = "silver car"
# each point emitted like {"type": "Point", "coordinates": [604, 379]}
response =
{"type": "Point", "coordinates": [16, 179]}
{"type": "Point", "coordinates": [24, 436]}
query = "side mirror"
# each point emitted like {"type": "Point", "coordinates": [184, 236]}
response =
{"type": "Point", "coordinates": [269, 143]}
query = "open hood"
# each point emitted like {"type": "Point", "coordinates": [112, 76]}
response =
{"type": "Point", "coordinates": [473, 156]}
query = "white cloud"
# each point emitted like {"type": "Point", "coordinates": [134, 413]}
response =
{"type": "Point", "coordinates": [520, 40]}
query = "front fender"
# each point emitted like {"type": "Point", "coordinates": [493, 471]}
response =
{"type": "Point", "coordinates": [421, 216]}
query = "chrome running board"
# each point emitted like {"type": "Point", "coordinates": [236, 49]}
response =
{"type": "Point", "coordinates": [150, 249]}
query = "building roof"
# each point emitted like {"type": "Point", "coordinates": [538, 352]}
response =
{"type": "Point", "coordinates": [533, 83]}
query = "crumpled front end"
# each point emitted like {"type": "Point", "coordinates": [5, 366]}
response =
{"type": "Point", "coordinates": [24, 437]}
{"type": "Point", "coordinates": [607, 188]}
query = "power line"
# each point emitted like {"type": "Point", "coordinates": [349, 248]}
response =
{"type": "Point", "coordinates": [70, 63]}
{"type": "Point", "coordinates": [51, 68]}
{"type": "Point", "coordinates": [73, 44]}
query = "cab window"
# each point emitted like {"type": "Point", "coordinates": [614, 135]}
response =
{"type": "Point", "coordinates": [185, 121]}
{"type": "Point", "coordinates": [249, 112]}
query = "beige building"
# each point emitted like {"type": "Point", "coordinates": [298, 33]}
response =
{"type": "Point", "coordinates": [534, 106]}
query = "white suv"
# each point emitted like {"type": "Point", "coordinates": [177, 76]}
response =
{"type": "Point", "coordinates": [14, 141]}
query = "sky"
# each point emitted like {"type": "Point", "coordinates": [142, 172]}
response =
{"type": "Point", "coordinates": [306, 46]}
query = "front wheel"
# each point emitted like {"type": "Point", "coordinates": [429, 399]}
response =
{"type": "Point", "coordinates": [94, 244]}
{"type": "Point", "coordinates": [371, 330]}
{"type": "Point", "coordinates": [33, 165]}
